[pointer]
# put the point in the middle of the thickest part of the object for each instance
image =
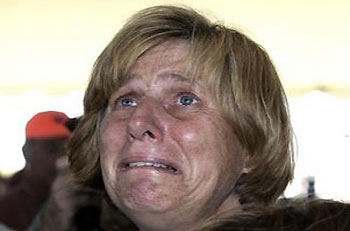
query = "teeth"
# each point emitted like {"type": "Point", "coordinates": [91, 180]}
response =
{"type": "Point", "coordinates": [150, 164]}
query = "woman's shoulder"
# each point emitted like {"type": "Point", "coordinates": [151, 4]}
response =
{"type": "Point", "coordinates": [324, 214]}
{"type": "Point", "coordinates": [295, 215]}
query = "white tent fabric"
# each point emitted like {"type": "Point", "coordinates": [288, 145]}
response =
{"type": "Point", "coordinates": [51, 45]}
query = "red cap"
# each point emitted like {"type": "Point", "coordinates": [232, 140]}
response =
{"type": "Point", "coordinates": [49, 124]}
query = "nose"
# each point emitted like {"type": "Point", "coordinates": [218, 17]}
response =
{"type": "Point", "coordinates": [145, 123]}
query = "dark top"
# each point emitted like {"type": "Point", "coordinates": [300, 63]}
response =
{"type": "Point", "coordinates": [19, 206]}
{"type": "Point", "coordinates": [315, 215]}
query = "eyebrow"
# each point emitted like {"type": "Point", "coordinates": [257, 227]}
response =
{"type": "Point", "coordinates": [165, 76]}
{"type": "Point", "coordinates": [176, 77]}
{"type": "Point", "coordinates": [173, 76]}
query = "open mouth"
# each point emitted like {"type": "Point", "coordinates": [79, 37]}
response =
{"type": "Point", "coordinates": [155, 165]}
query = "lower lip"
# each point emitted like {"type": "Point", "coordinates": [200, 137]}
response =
{"type": "Point", "coordinates": [161, 170]}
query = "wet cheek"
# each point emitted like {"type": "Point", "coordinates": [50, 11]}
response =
{"type": "Point", "coordinates": [192, 140]}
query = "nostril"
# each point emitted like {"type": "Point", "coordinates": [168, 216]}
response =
{"type": "Point", "coordinates": [150, 134]}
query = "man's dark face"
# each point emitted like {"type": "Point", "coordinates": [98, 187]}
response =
{"type": "Point", "coordinates": [41, 155]}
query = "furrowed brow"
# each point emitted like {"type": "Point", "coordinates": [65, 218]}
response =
{"type": "Point", "coordinates": [176, 77]}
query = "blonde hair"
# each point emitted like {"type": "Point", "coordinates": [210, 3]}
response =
{"type": "Point", "coordinates": [239, 73]}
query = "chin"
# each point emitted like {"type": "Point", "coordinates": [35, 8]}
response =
{"type": "Point", "coordinates": [147, 196]}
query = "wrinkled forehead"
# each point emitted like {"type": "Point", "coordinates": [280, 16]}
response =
{"type": "Point", "coordinates": [173, 57]}
{"type": "Point", "coordinates": [174, 53]}
{"type": "Point", "coordinates": [168, 60]}
{"type": "Point", "coordinates": [176, 57]}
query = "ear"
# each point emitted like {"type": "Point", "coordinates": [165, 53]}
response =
{"type": "Point", "coordinates": [25, 151]}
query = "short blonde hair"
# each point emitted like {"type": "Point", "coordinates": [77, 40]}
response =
{"type": "Point", "coordinates": [239, 73]}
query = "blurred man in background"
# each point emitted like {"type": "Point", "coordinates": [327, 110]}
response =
{"type": "Point", "coordinates": [46, 135]}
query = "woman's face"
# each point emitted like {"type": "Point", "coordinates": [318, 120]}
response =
{"type": "Point", "coordinates": [165, 148]}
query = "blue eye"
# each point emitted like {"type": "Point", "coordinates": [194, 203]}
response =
{"type": "Point", "coordinates": [187, 100]}
{"type": "Point", "coordinates": [127, 102]}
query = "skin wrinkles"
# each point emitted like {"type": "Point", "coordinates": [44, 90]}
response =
{"type": "Point", "coordinates": [137, 87]}
{"type": "Point", "coordinates": [194, 137]}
